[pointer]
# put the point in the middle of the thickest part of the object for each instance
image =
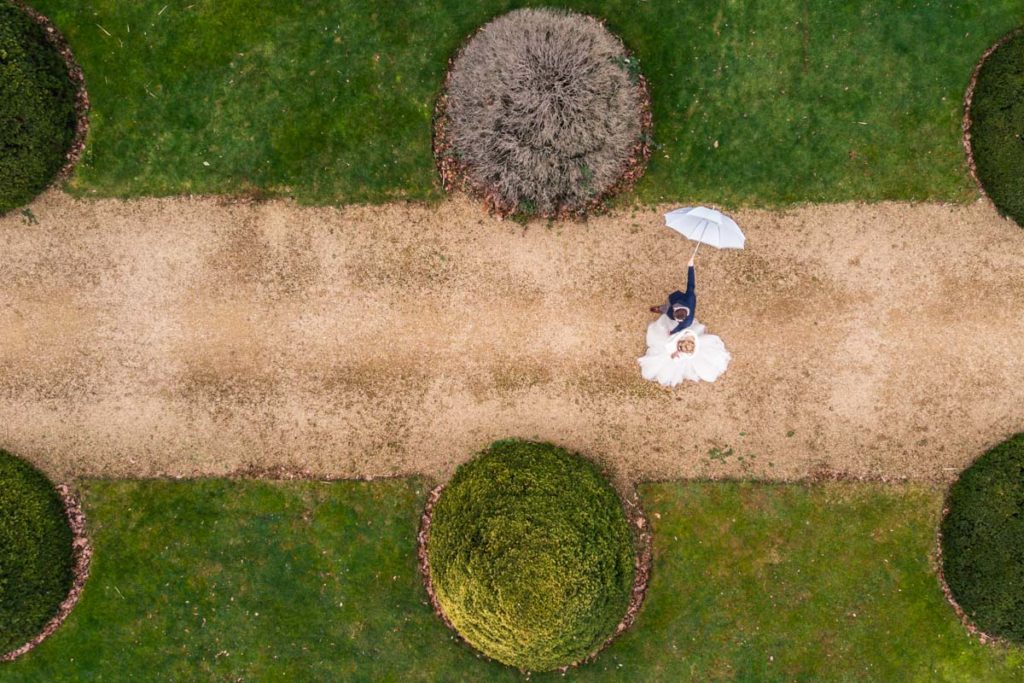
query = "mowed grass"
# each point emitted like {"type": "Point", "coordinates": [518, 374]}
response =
{"type": "Point", "coordinates": [330, 101]}
{"type": "Point", "coordinates": [255, 581]}
{"type": "Point", "coordinates": [265, 581]}
{"type": "Point", "coordinates": [832, 582]}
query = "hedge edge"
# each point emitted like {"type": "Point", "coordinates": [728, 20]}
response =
{"type": "Point", "coordinates": [77, 78]}
{"type": "Point", "coordinates": [973, 629]}
{"type": "Point", "coordinates": [454, 175]}
{"type": "Point", "coordinates": [81, 551]}
{"type": "Point", "coordinates": [969, 99]}
{"type": "Point", "coordinates": [642, 539]}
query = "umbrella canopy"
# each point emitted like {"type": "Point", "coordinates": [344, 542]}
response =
{"type": "Point", "coordinates": [706, 226]}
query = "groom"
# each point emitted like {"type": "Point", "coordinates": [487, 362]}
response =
{"type": "Point", "coordinates": [681, 305]}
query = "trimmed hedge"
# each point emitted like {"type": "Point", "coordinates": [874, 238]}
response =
{"type": "Point", "coordinates": [531, 555]}
{"type": "Point", "coordinates": [37, 108]}
{"type": "Point", "coordinates": [544, 114]}
{"type": "Point", "coordinates": [997, 127]}
{"type": "Point", "coordinates": [36, 556]}
{"type": "Point", "coordinates": [983, 541]}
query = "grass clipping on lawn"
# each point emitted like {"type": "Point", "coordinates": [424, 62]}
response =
{"type": "Point", "coordinates": [36, 555]}
{"type": "Point", "coordinates": [545, 114]}
{"type": "Point", "coordinates": [983, 541]}
{"type": "Point", "coordinates": [531, 555]}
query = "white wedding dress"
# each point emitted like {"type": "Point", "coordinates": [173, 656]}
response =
{"type": "Point", "coordinates": [708, 360]}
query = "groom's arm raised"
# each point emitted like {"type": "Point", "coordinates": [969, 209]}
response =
{"type": "Point", "coordinates": [691, 280]}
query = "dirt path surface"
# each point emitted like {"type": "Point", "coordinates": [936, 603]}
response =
{"type": "Point", "coordinates": [189, 337]}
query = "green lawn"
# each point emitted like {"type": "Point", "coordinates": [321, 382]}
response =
{"type": "Point", "coordinates": [762, 582]}
{"type": "Point", "coordinates": [262, 581]}
{"type": "Point", "coordinates": [330, 100]}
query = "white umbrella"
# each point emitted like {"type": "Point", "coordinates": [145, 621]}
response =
{"type": "Point", "coordinates": [706, 226]}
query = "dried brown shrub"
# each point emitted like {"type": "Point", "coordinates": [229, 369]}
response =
{"type": "Point", "coordinates": [545, 114]}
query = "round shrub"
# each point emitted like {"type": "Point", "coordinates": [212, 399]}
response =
{"type": "Point", "coordinates": [37, 108]}
{"type": "Point", "coordinates": [983, 541]}
{"type": "Point", "coordinates": [531, 555]}
{"type": "Point", "coordinates": [997, 127]}
{"type": "Point", "coordinates": [36, 555]}
{"type": "Point", "coordinates": [545, 114]}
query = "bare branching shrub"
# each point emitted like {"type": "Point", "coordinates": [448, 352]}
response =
{"type": "Point", "coordinates": [545, 114]}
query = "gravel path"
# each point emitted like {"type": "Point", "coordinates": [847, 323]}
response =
{"type": "Point", "coordinates": [188, 337]}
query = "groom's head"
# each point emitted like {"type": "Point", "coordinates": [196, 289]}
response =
{"type": "Point", "coordinates": [680, 312]}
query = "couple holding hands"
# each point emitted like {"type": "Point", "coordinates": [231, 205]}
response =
{"type": "Point", "coordinates": [678, 347]}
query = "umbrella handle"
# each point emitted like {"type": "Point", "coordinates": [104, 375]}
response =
{"type": "Point", "coordinates": [700, 240]}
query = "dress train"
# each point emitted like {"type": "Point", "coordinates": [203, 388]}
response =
{"type": "Point", "coordinates": [666, 364]}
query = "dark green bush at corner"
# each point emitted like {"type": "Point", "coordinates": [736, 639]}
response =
{"type": "Point", "coordinates": [983, 541]}
{"type": "Point", "coordinates": [37, 109]}
{"type": "Point", "coordinates": [531, 555]}
{"type": "Point", "coordinates": [997, 127]}
{"type": "Point", "coordinates": [35, 552]}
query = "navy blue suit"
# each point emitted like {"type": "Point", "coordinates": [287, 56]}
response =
{"type": "Point", "coordinates": [687, 298]}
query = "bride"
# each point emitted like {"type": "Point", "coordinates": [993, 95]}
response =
{"type": "Point", "coordinates": [678, 347]}
{"type": "Point", "coordinates": [690, 354]}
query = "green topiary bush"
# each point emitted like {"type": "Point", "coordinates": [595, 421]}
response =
{"type": "Point", "coordinates": [35, 552]}
{"type": "Point", "coordinates": [531, 555]}
{"type": "Point", "coordinates": [37, 108]}
{"type": "Point", "coordinates": [997, 127]}
{"type": "Point", "coordinates": [983, 541]}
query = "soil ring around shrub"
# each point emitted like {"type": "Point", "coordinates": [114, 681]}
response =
{"type": "Point", "coordinates": [81, 551]}
{"type": "Point", "coordinates": [455, 175]}
{"type": "Point", "coordinates": [643, 543]}
{"type": "Point", "coordinates": [73, 154]}
{"type": "Point", "coordinates": [969, 99]}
